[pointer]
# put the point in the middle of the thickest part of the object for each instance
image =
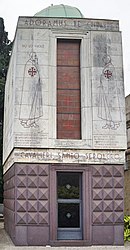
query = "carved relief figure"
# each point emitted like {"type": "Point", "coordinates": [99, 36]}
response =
{"type": "Point", "coordinates": [31, 95]}
{"type": "Point", "coordinates": [109, 106]}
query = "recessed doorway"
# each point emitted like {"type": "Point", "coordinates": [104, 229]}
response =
{"type": "Point", "coordinates": [69, 205]}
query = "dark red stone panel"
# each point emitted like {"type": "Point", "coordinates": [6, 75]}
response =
{"type": "Point", "coordinates": [103, 235]}
{"type": "Point", "coordinates": [38, 236]}
{"type": "Point", "coordinates": [68, 89]}
{"type": "Point", "coordinates": [21, 235]}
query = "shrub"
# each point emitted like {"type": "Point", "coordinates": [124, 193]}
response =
{"type": "Point", "coordinates": [127, 228]}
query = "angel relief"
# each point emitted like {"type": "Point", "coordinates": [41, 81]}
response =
{"type": "Point", "coordinates": [31, 94]}
{"type": "Point", "coordinates": [108, 105]}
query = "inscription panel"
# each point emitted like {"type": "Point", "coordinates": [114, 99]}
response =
{"type": "Point", "coordinates": [109, 141]}
{"type": "Point", "coordinates": [70, 23]}
{"type": "Point", "coordinates": [65, 156]}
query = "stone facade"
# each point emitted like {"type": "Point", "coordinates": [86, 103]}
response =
{"type": "Point", "coordinates": [127, 172]}
{"type": "Point", "coordinates": [33, 151]}
{"type": "Point", "coordinates": [28, 208]}
{"type": "Point", "coordinates": [33, 69]}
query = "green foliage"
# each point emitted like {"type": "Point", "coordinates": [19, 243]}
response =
{"type": "Point", "coordinates": [127, 228]}
{"type": "Point", "coordinates": [5, 52]}
{"type": "Point", "coordinates": [65, 193]}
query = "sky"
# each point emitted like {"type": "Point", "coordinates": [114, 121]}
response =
{"type": "Point", "coordinates": [10, 10]}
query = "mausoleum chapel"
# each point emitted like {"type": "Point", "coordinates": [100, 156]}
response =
{"type": "Point", "coordinates": [64, 131]}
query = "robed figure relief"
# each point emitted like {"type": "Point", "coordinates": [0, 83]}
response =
{"type": "Point", "coordinates": [109, 106]}
{"type": "Point", "coordinates": [31, 95]}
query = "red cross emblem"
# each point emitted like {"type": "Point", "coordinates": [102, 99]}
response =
{"type": "Point", "coordinates": [32, 71]}
{"type": "Point", "coordinates": [108, 74]}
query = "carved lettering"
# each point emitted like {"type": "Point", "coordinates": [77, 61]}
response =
{"type": "Point", "coordinates": [70, 156]}
{"type": "Point", "coordinates": [33, 46]}
{"type": "Point", "coordinates": [86, 24]}
{"type": "Point", "coordinates": [38, 22]}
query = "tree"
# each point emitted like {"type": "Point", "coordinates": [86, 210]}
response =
{"type": "Point", "coordinates": [5, 52]}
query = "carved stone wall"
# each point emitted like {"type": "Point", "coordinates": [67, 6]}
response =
{"type": "Point", "coordinates": [127, 192]}
{"type": "Point", "coordinates": [107, 204]}
{"type": "Point", "coordinates": [9, 202]}
{"type": "Point", "coordinates": [127, 173]}
{"type": "Point", "coordinates": [27, 209]}
{"type": "Point", "coordinates": [27, 204]}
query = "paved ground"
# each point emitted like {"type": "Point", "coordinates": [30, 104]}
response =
{"type": "Point", "coordinates": [6, 244]}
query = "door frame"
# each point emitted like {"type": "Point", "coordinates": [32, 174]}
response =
{"type": "Point", "coordinates": [78, 231]}
{"type": "Point", "coordinates": [85, 170]}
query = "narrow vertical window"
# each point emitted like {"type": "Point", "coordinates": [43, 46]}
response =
{"type": "Point", "coordinates": [68, 89]}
